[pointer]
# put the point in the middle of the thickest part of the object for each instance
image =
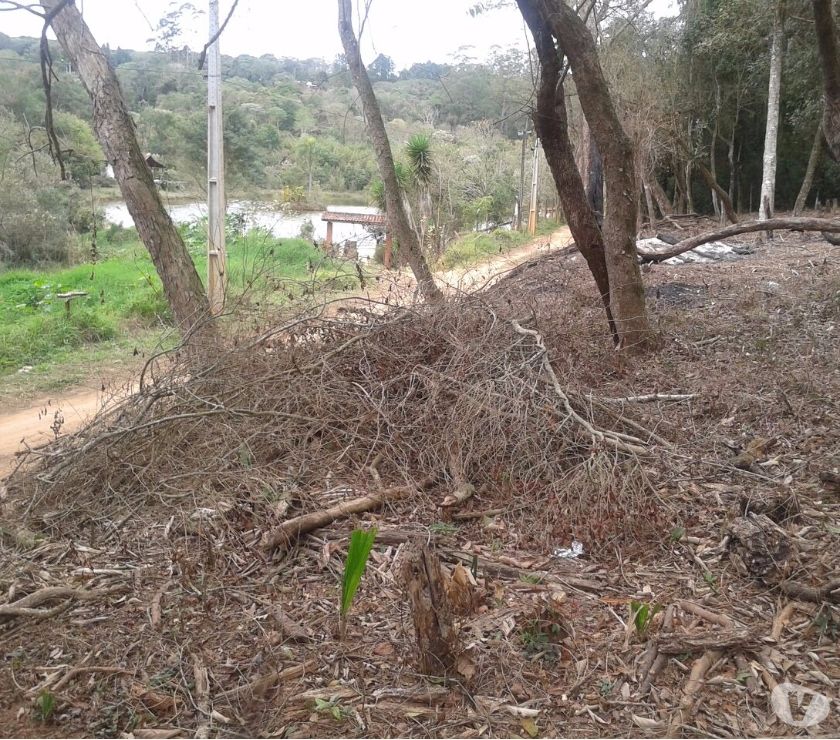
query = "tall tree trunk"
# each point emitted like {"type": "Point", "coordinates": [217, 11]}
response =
{"type": "Point", "coordinates": [808, 180]}
{"type": "Point", "coordinates": [408, 243]}
{"type": "Point", "coordinates": [552, 127]}
{"type": "Point", "coordinates": [627, 295]}
{"type": "Point", "coordinates": [116, 134]}
{"type": "Point", "coordinates": [771, 134]}
{"type": "Point", "coordinates": [830, 62]}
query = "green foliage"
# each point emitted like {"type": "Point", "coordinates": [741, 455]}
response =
{"type": "Point", "coordinates": [419, 155]}
{"type": "Point", "coordinates": [361, 542]}
{"type": "Point", "coordinates": [642, 613]}
{"type": "Point", "coordinates": [333, 708]}
{"type": "Point", "coordinates": [124, 293]}
{"type": "Point", "coordinates": [45, 706]}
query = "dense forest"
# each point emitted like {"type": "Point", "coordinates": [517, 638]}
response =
{"type": "Point", "coordinates": [692, 92]}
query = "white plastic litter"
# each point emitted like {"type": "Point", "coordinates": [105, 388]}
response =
{"type": "Point", "coordinates": [569, 553]}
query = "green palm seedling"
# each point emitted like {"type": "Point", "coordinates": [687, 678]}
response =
{"type": "Point", "coordinates": [419, 151]}
{"type": "Point", "coordinates": [361, 543]}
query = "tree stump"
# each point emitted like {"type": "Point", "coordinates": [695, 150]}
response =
{"type": "Point", "coordinates": [757, 546]}
{"type": "Point", "coordinates": [426, 590]}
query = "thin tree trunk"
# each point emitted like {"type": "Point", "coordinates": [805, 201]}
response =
{"type": "Point", "coordinates": [689, 193]}
{"type": "Point", "coordinates": [649, 202]}
{"type": "Point", "coordinates": [713, 149]}
{"type": "Point", "coordinates": [551, 125]}
{"type": "Point", "coordinates": [627, 295]}
{"type": "Point", "coordinates": [830, 62]}
{"type": "Point", "coordinates": [808, 180]}
{"type": "Point", "coordinates": [771, 135]}
{"type": "Point", "coordinates": [408, 244]}
{"type": "Point", "coordinates": [660, 197]}
{"type": "Point", "coordinates": [731, 149]}
{"type": "Point", "coordinates": [115, 131]}
{"type": "Point", "coordinates": [716, 188]}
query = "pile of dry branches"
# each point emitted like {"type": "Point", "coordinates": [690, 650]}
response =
{"type": "Point", "coordinates": [324, 408]}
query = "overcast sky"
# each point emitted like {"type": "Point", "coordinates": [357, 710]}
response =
{"type": "Point", "coordinates": [406, 30]}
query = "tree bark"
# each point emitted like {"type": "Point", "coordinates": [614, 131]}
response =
{"type": "Point", "coordinates": [115, 131]}
{"type": "Point", "coordinates": [808, 180]}
{"type": "Point", "coordinates": [424, 583]}
{"type": "Point", "coordinates": [627, 295]}
{"type": "Point", "coordinates": [825, 225]}
{"type": "Point", "coordinates": [771, 134]}
{"type": "Point", "coordinates": [408, 243]}
{"type": "Point", "coordinates": [830, 62]}
{"type": "Point", "coordinates": [551, 125]}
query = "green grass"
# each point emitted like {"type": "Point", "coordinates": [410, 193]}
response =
{"type": "Point", "coordinates": [475, 247]}
{"type": "Point", "coordinates": [125, 302]}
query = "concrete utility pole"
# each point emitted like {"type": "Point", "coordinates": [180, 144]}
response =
{"type": "Point", "coordinates": [535, 186]}
{"type": "Point", "coordinates": [216, 258]}
{"type": "Point", "coordinates": [520, 197]}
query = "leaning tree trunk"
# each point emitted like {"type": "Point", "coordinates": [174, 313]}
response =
{"type": "Point", "coordinates": [830, 63]}
{"type": "Point", "coordinates": [408, 243]}
{"type": "Point", "coordinates": [115, 131]}
{"type": "Point", "coordinates": [723, 196]}
{"type": "Point", "coordinates": [551, 125]}
{"type": "Point", "coordinates": [660, 197]}
{"type": "Point", "coordinates": [808, 180]}
{"type": "Point", "coordinates": [771, 134]}
{"type": "Point", "coordinates": [627, 295]}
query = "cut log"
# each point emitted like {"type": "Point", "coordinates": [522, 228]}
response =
{"type": "Point", "coordinates": [431, 612]}
{"type": "Point", "coordinates": [824, 225]}
{"type": "Point", "coordinates": [757, 546]}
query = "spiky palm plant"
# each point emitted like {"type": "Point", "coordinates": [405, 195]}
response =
{"type": "Point", "coordinates": [419, 152]}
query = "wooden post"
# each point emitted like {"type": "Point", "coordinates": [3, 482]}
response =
{"type": "Point", "coordinates": [329, 240]}
{"type": "Point", "coordinates": [387, 255]}
{"type": "Point", "coordinates": [216, 260]}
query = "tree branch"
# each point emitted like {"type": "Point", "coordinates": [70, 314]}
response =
{"type": "Point", "coordinates": [216, 35]}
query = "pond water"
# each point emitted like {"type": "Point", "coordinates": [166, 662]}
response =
{"type": "Point", "coordinates": [268, 216]}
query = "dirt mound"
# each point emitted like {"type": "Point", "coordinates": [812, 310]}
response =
{"type": "Point", "coordinates": [140, 599]}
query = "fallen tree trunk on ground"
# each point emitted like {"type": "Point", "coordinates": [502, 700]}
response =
{"type": "Point", "coordinates": [290, 530]}
{"type": "Point", "coordinates": [771, 224]}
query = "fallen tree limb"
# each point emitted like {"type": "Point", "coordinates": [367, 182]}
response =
{"type": "Point", "coordinates": [259, 686]}
{"type": "Point", "coordinates": [829, 592]}
{"type": "Point", "coordinates": [289, 531]}
{"type": "Point", "coordinates": [651, 397]}
{"type": "Point", "coordinates": [692, 686]}
{"type": "Point", "coordinates": [771, 224]}
{"type": "Point", "coordinates": [27, 606]}
{"type": "Point", "coordinates": [717, 640]}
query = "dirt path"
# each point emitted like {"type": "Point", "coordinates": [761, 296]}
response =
{"type": "Point", "coordinates": [77, 405]}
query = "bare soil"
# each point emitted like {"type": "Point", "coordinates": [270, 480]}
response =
{"type": "Point", "coordinates": [160, 531]}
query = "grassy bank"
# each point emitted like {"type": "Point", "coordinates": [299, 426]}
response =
{"type": "Point", "coordinates": [124, 304]}
{"type": "Point", "coordinates": [477, 246]}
